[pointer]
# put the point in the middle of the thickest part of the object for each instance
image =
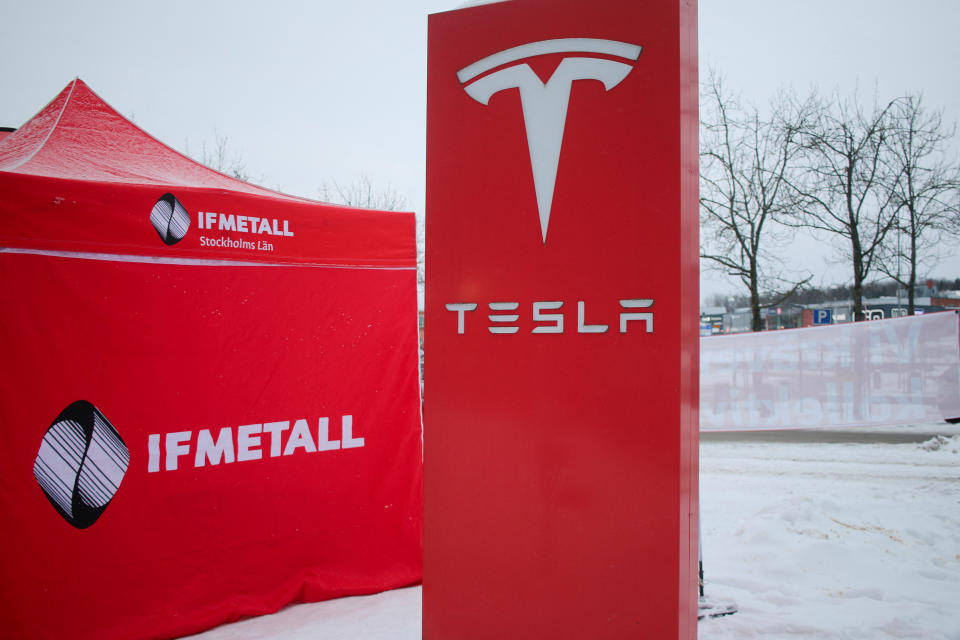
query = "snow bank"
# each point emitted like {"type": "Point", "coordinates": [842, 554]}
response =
{"type": "Point", "coordinates": [393, 615]}
{"type": "Point", "coordinates": [832, 541]}
{"type": "Point", "coordinates": [942, 443]}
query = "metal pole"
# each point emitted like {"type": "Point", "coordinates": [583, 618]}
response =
{"type": "Point", "coordinates": [898, 264]}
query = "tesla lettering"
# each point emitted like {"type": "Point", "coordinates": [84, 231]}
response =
{"type": "Point", "coordinates": [505, 323]}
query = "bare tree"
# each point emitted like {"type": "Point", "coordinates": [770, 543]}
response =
{"type": "Point", "coordinates": [745, 162]}
{"type": "Point", "coordinates": [925, 190]}
{"type": "Point", "coordinates": [843, 186]}
{"type": "Point", "coordinates": [362, 193]}
{"type": "Point", "coordinates": [220, 158]}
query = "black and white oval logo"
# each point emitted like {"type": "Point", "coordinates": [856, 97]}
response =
{"type": "Point", "coordinates": [170, 219]}
{"type": "Point", "coordinates": [81, 463]}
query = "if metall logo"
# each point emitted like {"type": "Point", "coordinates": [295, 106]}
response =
{"type": "Point", "coordinates": [544, 105]}
{"type": "Point", "coordinates": [170, 219]}
{"type": "Point", "coordinates": [81, 462]}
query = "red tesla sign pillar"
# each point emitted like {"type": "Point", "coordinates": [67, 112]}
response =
{"type": "Point", "coordinates": [560, 389]}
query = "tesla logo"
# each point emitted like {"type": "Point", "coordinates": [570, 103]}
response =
{"type": "Point", "coordinates": [545, 105]}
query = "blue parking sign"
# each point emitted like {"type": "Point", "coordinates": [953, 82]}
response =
{"type": "Point", "coordinates": [823, 316]}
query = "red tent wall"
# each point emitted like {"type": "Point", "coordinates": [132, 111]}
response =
{"type": "Point", "coordinates": [209, 396]}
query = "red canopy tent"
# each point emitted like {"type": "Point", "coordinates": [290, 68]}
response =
{"type": "Point", "coordinates": [209, 398]}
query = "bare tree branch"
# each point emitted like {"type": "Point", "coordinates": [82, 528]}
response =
{"type": "Point", "coordinates": [220, 158]}
{"type": "Point", "coordinates": [362, 194]}
{"type": "Point", "coordinates": [745, 164]}
{"type": "Point", "coordinates": [924, 189]}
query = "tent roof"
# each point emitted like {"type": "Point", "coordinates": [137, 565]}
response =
{"type": "Point", "coordinates": [79, 136]}
{"type": "Point", "coordinates": [80, 177]}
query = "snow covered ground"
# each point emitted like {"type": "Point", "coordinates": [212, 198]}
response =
{"type": "Point", "coordinates": [833, 540]}
{"type": "Point", "coordinates": [811, 540]}
{"type": "Point", "coordinates": [392, 615]}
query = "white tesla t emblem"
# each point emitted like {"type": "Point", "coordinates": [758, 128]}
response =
{"type": "Point", "coordinates": [545, 105]}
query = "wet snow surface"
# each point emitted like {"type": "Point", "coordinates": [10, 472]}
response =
{"type": "Point", "coordinates": [810, 540]}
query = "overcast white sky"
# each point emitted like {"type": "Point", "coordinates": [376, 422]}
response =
{"type": "Point", "coordinates": [308, 92]}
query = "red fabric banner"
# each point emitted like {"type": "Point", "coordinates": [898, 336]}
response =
{"type": "Point", "coordinates": [270, 416]}
{"type": "Point", "coordinates": [75, 215]}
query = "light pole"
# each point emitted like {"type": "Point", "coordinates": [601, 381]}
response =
{"type": "Point", "coordinates": [898, 265]}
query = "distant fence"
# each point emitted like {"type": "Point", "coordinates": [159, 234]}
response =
{"type": "Point", "coordinates": [884, 372]}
